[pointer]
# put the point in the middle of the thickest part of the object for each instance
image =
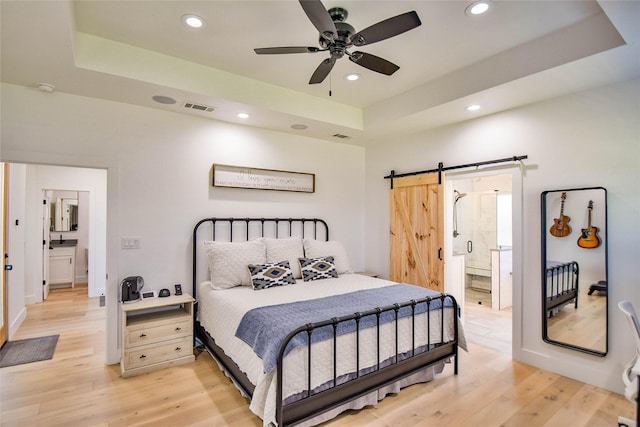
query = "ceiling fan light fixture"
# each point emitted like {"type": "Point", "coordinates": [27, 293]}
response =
{"type": "Point", "coordinates": [337, 36]}
{"type": "Point", "coordinates": [352, 76]}
{"type": "Point", "coordinates": [193, 21]}
{"type": "Point", "coordinates": [472, 107]}
{"type": "Point", "coordinates": [478, 8]}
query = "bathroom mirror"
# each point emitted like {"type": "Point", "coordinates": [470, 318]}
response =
{"type": "Point", "coordinates": [574, 269]}
{"type": "Point", "coordinates": [64, 213]}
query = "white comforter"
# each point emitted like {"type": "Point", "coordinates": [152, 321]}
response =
{"type": "Point", "coordinates": [220, 312]}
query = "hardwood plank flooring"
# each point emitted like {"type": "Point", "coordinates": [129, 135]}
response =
{"type": "Point", "coordinates": [75, 388]}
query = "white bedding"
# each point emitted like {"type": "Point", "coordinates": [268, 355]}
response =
{"type": "Point", "coordinates": [220, 312]}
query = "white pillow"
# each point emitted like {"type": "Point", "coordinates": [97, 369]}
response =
{"type": "Point", "coordinates": [319, 248]}
{"type": "Point", "coordinates": [285, 249]}
{"type": "Point", "coordinates": [228, 262]}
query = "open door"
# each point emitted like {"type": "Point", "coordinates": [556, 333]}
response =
{"type": "Point", "coordinates": [46, 225]}
{"type": "Point", "coordinates": [417, 231]}
{"type": "Point", "coordinates": [3, 244]}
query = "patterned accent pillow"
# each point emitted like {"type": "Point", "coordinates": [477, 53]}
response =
{"type": "Point", "coordinates": [317, 268]}
{"type": "Point", "coordinates": [271, 274]}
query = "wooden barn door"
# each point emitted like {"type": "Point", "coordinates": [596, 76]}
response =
{"type": "Point", "coordinates": [417, 231]}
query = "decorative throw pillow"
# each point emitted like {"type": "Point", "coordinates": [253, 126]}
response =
{"type": "Point", "coordinates": [271, 274]}
{"type": "Point", "coordinates": [228, 262]}
{"type": "Point", "coordinates": [290, 249]}
{"type": "Point", "coordinates": [334, 248]}
{"type": "Point", "coordinates": [317, 268]}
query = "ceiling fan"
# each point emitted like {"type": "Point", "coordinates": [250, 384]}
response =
{"type": "Point", "coordinates": [336, 36]}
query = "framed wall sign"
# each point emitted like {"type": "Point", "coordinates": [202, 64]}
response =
{"type": "Point", "coordinates": [262, 179]}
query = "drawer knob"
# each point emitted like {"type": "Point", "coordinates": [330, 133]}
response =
{"type": "Point", "coordinates": [143, 356]}
{"type": "Point", "coordinates": [178, 348]}
{"type": "Point", "coordinates": [143, 335]}
{"type": "Point", "coordinates": [178, 328]}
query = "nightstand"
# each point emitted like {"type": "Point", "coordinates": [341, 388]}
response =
{"type": "Point", "coordinates": [156, 333]}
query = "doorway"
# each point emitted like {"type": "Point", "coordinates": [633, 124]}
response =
{"type": "Point", "coordinates": [26, 193]}
{"type": "Point", "coordinates": [65, 240]}
{"type": "Point", "coordinates": [481, 257]}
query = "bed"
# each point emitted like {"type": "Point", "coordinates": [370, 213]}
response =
{"type": "Point", "coordinates": [561, 285]}
{"type": "Point", "coordinates": [319, 358]}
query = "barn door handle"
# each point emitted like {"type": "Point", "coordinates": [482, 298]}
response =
{"type": "Point", "coordinates": [469, 246]}
{"type": "Point", "coordinates": [440, 254]}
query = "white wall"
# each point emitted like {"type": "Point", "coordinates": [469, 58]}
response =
{"type": "Point", "coordinates": [587, 139]}
{"type": "Point", "coordinates": [159, 178]}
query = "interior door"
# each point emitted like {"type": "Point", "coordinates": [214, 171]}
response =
{"type": "Point", "coordinates": [416, 225]}
{"type": "Point", "coordinates": [3, 248]}
{"type": "Point", "coordinates": [46, 222]}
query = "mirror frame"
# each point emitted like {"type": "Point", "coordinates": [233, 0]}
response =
{"type": "Point", "coordinates": [545, 224]}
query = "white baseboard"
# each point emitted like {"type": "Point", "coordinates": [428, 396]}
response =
{"type": "Point", "coordinates": [13, 327]}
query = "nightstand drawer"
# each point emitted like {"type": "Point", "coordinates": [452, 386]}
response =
{"type": "Point", "coordinates": [150, 354]}
{"type": "Point", "coordinates": [144, 335]}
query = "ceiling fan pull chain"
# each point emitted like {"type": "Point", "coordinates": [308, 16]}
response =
{"type": "Point", "coordinates": [330, 84]}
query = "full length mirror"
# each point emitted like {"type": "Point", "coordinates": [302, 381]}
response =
{"type": "Point", "coordinates": [64, 210]}
{"type": "Point", "coordinates": [574, 269]}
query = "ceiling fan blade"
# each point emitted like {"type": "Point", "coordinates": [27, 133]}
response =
{"type": "Point", "coordinates": [322, 71]}
{"type": "Point", "coordinates": [386, 29]}
{"type": "Point", "coordinates": [288, 49]}
{"type": "Point", "coordinates": [374, 63]}
{"type": "Point", "coordinates": [319, 17]}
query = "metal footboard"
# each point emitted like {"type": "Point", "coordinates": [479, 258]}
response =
{"type": "Point", "coordinates": [385, 372]}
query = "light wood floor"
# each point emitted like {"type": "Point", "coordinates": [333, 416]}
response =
{"type": "Point", "coordinates": [585, 326]}
{"type": "Point", "coordinates": [483, 325]}
{"type": "Point", "coordinates": [75, 388]}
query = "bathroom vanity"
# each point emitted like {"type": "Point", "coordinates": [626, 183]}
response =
{"type": "Point", "coordinates": [62, 262]}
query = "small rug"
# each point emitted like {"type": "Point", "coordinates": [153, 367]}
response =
{"type": "Point", "coordinates": [27, 351]}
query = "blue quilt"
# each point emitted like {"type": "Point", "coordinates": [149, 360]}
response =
{"type": "Point", "coordinates": [265, 328]}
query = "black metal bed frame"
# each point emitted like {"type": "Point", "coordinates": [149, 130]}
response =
{"type": "Point", "coordinates": [315, 403]}
{"type": "Point", "coordinates": [562, 283]}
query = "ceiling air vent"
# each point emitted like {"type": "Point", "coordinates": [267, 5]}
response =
{"type": "Point", "coordinates": [341, 136]}
{"type": "Point", "coordinates": [198, 107]}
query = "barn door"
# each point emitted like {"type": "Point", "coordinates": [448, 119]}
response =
{"type": "Point", "coordinates": [417, 231]}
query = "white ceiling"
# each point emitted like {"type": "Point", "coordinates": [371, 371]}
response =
{"type": "Point", "coordinates": [128, 51]}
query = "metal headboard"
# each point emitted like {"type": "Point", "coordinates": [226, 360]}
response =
{"type": "Point", "coordinates": [244, 229]}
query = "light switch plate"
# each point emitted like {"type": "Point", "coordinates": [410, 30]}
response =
{"type": "Point", "coordinates": [130, 243]}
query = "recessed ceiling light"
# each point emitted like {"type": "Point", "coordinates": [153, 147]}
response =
{"type": "Point", "coordinates": [477, 8]}
{"type": "Point", "coordinates": [193, 21]}
{"type": "Point", "coordinates": [243, 115]}
{"type": "Point", "coordinates": [352, 76]}
{"type": "Point", "coordinates": [163, 99]}
{"type": "Point", "coordinates": [298, 126]}
{"type": "Point", "coordinates": [472, 107]}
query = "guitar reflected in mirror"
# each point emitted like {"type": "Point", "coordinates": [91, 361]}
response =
{"type": "Point", "coordinates": [560, 227]}
{"type": "Point", "coordinates": [589, 238]}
